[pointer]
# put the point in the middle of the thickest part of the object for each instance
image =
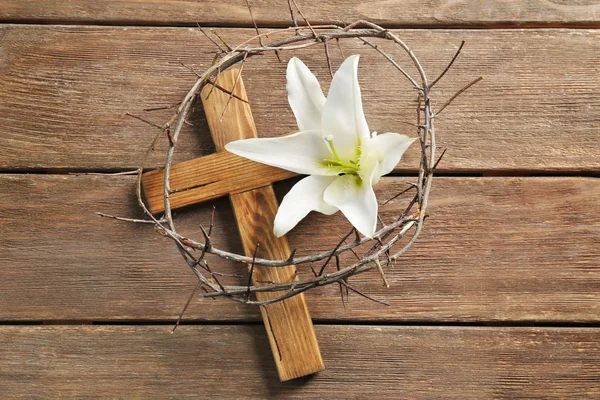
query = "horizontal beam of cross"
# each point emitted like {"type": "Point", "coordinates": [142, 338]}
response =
{"type": "Point", "coordinates": [208, 178]}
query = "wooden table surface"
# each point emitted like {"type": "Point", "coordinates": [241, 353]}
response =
{"type": "Point", "coordinates": [500, 298]}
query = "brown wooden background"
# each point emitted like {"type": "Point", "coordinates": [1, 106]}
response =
{"type": "Point", "coordinates": [499, 299]}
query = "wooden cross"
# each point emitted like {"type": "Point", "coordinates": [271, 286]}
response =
{"type": "Point", "coordinates": [248, 184]}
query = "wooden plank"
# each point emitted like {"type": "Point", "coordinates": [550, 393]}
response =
{"type": "Point", "coordinates": [191, 187]}
{"type": "Point", "coordinates": [494, 249]}
{"type": "Point", "coordinates": [275, 13]}
{"type": "Point", "coordinates": [288, 323]}
{"type": "Point", "coordinates": [65, 91]}
{"type": "Point", "coordinates": [365, 362]}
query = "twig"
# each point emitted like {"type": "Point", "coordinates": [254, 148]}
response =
{"type": "Point", "coordinates": [213, 81]}
{"type": "Point", "coordinates": [305, 19]}
{"type": "Point", "coordinates": [383, 277]}
{"type": "Point", "coordinates": [254, 22]}
{"type": "Point", "coordinates": [404, 231]}
{"type": "Point", "coordinates": [189, 68]}
{"type": "Point", "coordinates": [333, 254]}
{"type": "Point", "coordinates": [221, 39]}
{"type": "Point", "coordinates": [449, 65]}
{"type": "Point", "coordinates": [211, 39]}
{"type": "Point", "coordinates": [461, 91]}
{"type": "Point", "coordinates": [358, 292]}
{"type": "Point", "coordinates": [292, 15]}
{"type": "Point", "coordinates": [212, 221]}
{"type": "Point", "coordinates": [439, 159]}
{"type": "Point", "coordinates": [410, 187]}
{"type": "Point", "coordinates": [144, 120]}
{"type": "Point", "coordinates": [338, 268]}
{"type": "Point", "coordinates": [215, 278]}
{"type": "Point", "coordinates": [252, 271]}
{"type": "Point", "coordinates": [187, 303]}
{"type": "Point", "coordinates": [394, 63]}
{"type": "Point", "coordinates": [161, 108]}
{"type": "Point", "coordinates": [222, 89]}
{"type": "Point", "coordinates": [133, 220]}
{"type": "Point", "coordinates": [207, 243]}
{"type": "Point", "coordinates": [328, 58]}
{"type": "Point", "coordinates": [340, 48]}
{"type": "Point", "coordinates": [237, 79]}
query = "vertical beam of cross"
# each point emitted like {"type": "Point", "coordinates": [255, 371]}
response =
{"type": "Point", "coordinates": [288, 323]}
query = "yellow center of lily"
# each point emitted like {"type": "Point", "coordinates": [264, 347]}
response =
{"type": "Point", "coordinates": [337, 164]}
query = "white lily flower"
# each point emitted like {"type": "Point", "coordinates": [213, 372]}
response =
{"type": "Point", "coordinates": [334, 146]}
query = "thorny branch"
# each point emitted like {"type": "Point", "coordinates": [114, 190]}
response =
{"type": "Point", "coordinates": [384, 250]}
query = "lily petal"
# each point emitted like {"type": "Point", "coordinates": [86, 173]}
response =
{"type": "Point", "coordinates": [304, 197]}
{"type": "Point", "coordinates": [389, 148]}
{"type": "Point", "coordinates": [304, 95]}
{"type": "Point", "coordinates": [301, 152]}
{"type": "Point", "coordinates": [356, 199]}
{"type": "Point", "coordinates": [343, 115]}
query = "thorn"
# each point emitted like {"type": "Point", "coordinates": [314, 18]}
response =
{"type": "Point", "coordinates": [191, 70]}
{"type": "Point", "coordinates": [207, 243]}
{"type": "Point", "coordinates": [340, 48]}
{"type": "Point", "coordinates": [162, 108]}
{"type": "Point", "coordinates": [291, 257]}
{"type": "Point", "coordinates": [211, 39]}
{"type": "Point", "coordinates": [144, 120]}
{"type": "Point", "coordinates": [385, 281]}
{"type": "Point", "coordinates": [461, 91]}
{"type": "Point", "coordinates": [214, 277]}
{"type": "Point", "coordinates": [254, 22]}
{"type": "Point", "coordinates": [189, 300]}
{"type": "Point", "coordinates": [237, 79]}
{"type": "Point", "coordinates": [305, 19]}
{"type": "Point", "coordinates": [169, 137]}
{"type": "Point", "coordinates": [326, 46]}
{"type": "Point", "coordinates": [449, 64]}
{"type": "Point", "coordinates": [439, 159]}
{"type": "Point", "coordinates": [357, 237]}
{"type": "Point", "coordinates": [364, 295]}
{"type": "Point", "coordinates": [412, 186]}
{"type": "Point", "coordinates": [335, 249]}
{"type": "Point", "coordinates": [252, 271]}
{"type": "Point", "coordinates": [381, 221]}
{"type": "Point", "coordinates": [337, 267]}
{"type": "Point", "coordinates": [221, 39]}
{"type": "Point", "coordinates": [313, 271]}
{"type": "Point", "coordinates": [292, 15]}
{"type": "Point", "coordinates": [212, 221]}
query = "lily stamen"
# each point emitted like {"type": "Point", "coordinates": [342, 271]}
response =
{"type": "Point", "coordinates": [350, 167]}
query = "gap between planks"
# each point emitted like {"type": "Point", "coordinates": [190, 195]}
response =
{"type": "Point", "coordinates": [316, 321]}
{"type": "Point", "coordinates": [250, 25]}
{"type": "Point", "coordinates": [430, 14]}
{"type": "Point", "coordinates": [482, 173]}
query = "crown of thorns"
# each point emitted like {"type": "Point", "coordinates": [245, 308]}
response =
{"type": "Point", "coordinates": [389, 242]}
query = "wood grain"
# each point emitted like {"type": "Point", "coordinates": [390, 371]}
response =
{"type": "Point", "coordinates": [364, 362]}
{"type": "Point", "coordinates": [64, 91]}
{"type": "Point", "coordinates": [419, 13]}
{"type": "Point", "coordinates": [208, 178]}
{"type": "Point", "coordinates": [288, 324]}
{"type": "Point", "coordinates": [493, 249]}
